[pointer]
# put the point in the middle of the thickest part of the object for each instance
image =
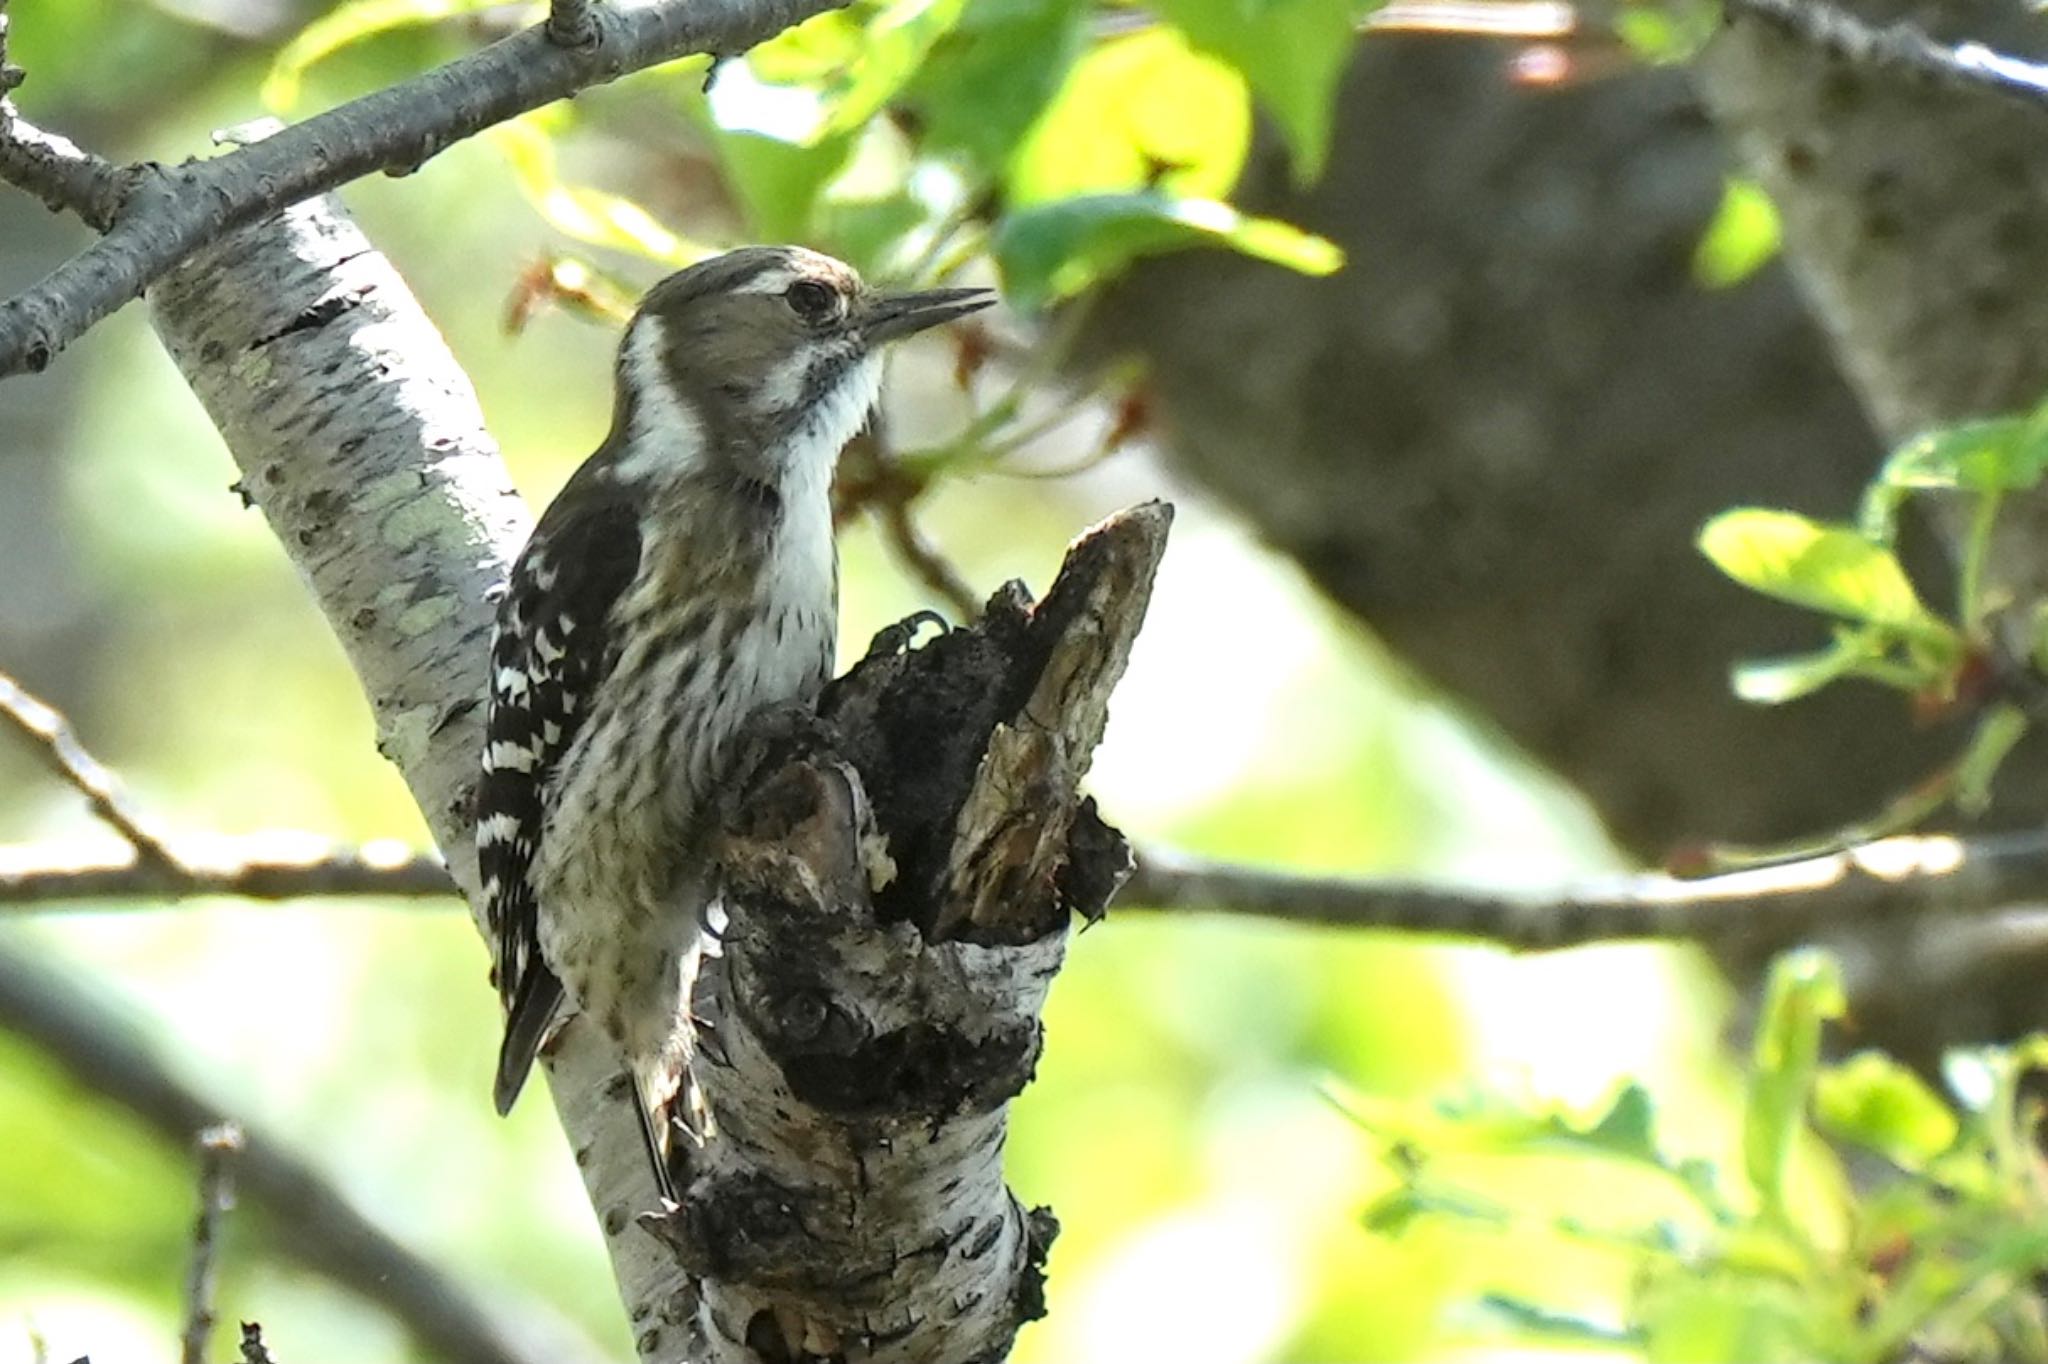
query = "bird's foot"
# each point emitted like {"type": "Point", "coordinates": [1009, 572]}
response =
{"type": "Point", "coordinates": [897, 638]}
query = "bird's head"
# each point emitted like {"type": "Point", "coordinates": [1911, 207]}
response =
{"type": "Point", "coordinates": [766, 356]}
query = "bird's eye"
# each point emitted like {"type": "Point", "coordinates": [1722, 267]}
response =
{"type": "Point", "coordinates": [813, 301]}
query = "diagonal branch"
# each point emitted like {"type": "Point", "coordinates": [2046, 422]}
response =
{"type": "Point", "coordinates": [1901, 48]}
{"type": "Point", "coordinates": [169, 212]}
{"type": "Point", "coordinates": [320, 1228]}
{"type": "Point", "coordinates": [61, 751]}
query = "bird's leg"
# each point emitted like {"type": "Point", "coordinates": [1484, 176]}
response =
{"type": "Point", "coordinates": [657, 1149]}
{"type": "Point", "coordinates": [895, 639]}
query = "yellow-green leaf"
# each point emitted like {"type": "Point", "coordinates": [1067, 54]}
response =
{"type": "Point", "coordinates": [1811, 563]}
{"type": "Point", "coordinates": [1879, 1104]}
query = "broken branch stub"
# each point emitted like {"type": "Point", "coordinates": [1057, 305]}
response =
{"type": "Point", "coordinates": [899, 874]}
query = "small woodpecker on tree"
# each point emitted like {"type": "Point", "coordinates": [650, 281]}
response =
{"type": "Point", "coordinates": [685, 578]}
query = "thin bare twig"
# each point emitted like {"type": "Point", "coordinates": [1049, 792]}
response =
{"type": "Point", "coordinates": [103, 1051]}
{"type": "Point", "coordinates": [63, 754]}
{"type": "Point", "coordinates": [273, 866]}
{"type": "Point", "coordinates": [218, 1146]}
{"type": "Point", "coordinates": [1900, 48]}
{"type": "Point", "coordinates": [923, 558]}
{"type": "Point", "coordinates": [1891, 880]}
{"type": "Point", "coordinates": [1895, 878]}
{"type": "Point", "coordinates": [166, 213]}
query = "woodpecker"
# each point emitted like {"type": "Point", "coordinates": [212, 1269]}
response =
{"type": "Point", "coordinates": [685, 577]}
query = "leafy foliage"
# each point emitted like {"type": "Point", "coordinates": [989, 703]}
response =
{"type": "Point", "coordinates": [1782, 1257]}
{"type": "Point", "coordinates": [916, 136]}
{"type": "Point", "coordinates": [1882, 630]}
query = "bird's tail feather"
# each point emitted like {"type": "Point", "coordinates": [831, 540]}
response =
{"type": "Point", "coordinates": [526, 1026]}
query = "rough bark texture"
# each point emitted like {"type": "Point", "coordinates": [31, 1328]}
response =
{"type": "Point", "coordinates": [1495, 433]}
{"type": "Point", "coordinates": [875, 1001]}
{"type": "Point", "coordinates": [900, 873]}
{"type": "Point", "coordinates": [360, 440]}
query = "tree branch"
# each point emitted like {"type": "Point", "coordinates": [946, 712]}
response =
{"type": "Point", "coordinates": [1900, 48]}
{"type": "Point", "coordinates": [169, 212]}
{"type": "Point", "coordinates": [319, 1228]}
{"type": "Point", "coordinates": [218, 1146]}
{"type": "Point", "coordinates": [1932, 877]}
{"type": "Point", "coordinates": [274, 866]}
{"type": "Point", "coordinates": [53, 738]}
{"type": "Point", "coordinates": [1896, 879]}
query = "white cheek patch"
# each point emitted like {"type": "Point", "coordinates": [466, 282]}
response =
{"type": "Point", "coordinates": [664, 437]}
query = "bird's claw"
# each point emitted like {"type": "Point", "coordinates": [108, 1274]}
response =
{"type": "Point", "coordinates": [897, 638]}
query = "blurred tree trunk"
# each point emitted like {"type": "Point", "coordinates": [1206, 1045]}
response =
{"type": "Point", "coordinates": [1493, 436]}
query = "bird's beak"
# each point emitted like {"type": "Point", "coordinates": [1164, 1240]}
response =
{"type": "Point", "coordinates": [894, 316]}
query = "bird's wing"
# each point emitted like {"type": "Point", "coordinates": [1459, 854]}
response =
{"type": "Point", "coordinates": [551, 652]}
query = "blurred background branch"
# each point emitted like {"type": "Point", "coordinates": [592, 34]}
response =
{"type": "Point", "coordinates": [310, 1221]}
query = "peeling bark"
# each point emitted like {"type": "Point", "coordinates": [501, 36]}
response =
{"type": "Point", "coordinates": [884, 964]}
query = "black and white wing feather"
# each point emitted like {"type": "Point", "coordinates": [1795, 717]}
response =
{"type": "Point", "coordinates": [552, 651]}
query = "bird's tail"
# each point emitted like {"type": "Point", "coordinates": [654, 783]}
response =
{"type": "Point", "coordinates": [526, 1026]}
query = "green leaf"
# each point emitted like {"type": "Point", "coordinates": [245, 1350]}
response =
{"type": "Point", "coordinates": [1292, 51]}
{"type": "Point", "coordinates": [1805, 991]}
{"type": "Point", "coordinates": [1714, 1317]}
{"type": "Point", "coordinates": [985, 84]}
{"type": "Point", "coordinates": [1055, 249]}
{"type": "Point", "coordinates": [1740, 240]}
{"type": "Point", "coordinates": [1393, 1213]}
{"type": "Point", "coordinates": [586, 214]}
{"type": "Point", "coordinates": [896, 42]}
{"type": "Point", "coordinates": [2004, 454]}
{"type": "Point", "coordinates": [1879, 1104]}
{"type": "Point", "coordinates": [1810, 563]}
{"type": "Point", "coordinates": [1627, 1128]}
{"type": "Point", "coordinates": [343, 27]}
{"type": "Point", "coordinates": [1137, 113]}
{"type": "Point", "coordinates": [779, 183]}
{"type": "Point", "coordinates": [1996, 734]}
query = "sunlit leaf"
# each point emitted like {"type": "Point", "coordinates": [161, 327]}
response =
{"type": "Point", "coordinates": [893, 48]}
{"type": "Point", "coordinates": [579, 211]}
{"type": "Point", "coordinates": [1805, 991]}
{"type": "Point", "coordinates": [1713, 1317]}
{"type": "Point", "coordinates": [1292, 51]}
{"type": "Point", "coordinates": [1055, 249]}
{"type": "Point", "coordinates": [1394, 1213]}
{"type": "Point", "coordinates": [1144, 112]}
{"type": "Point", "coordinates": [1741, 239]}
{"type": "Point", "coordinates": [343, 27]}
{"type": "Point", "coordinates": [1811, 563]}
{"type": "Point", "coordinates": [1878, 1103]}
